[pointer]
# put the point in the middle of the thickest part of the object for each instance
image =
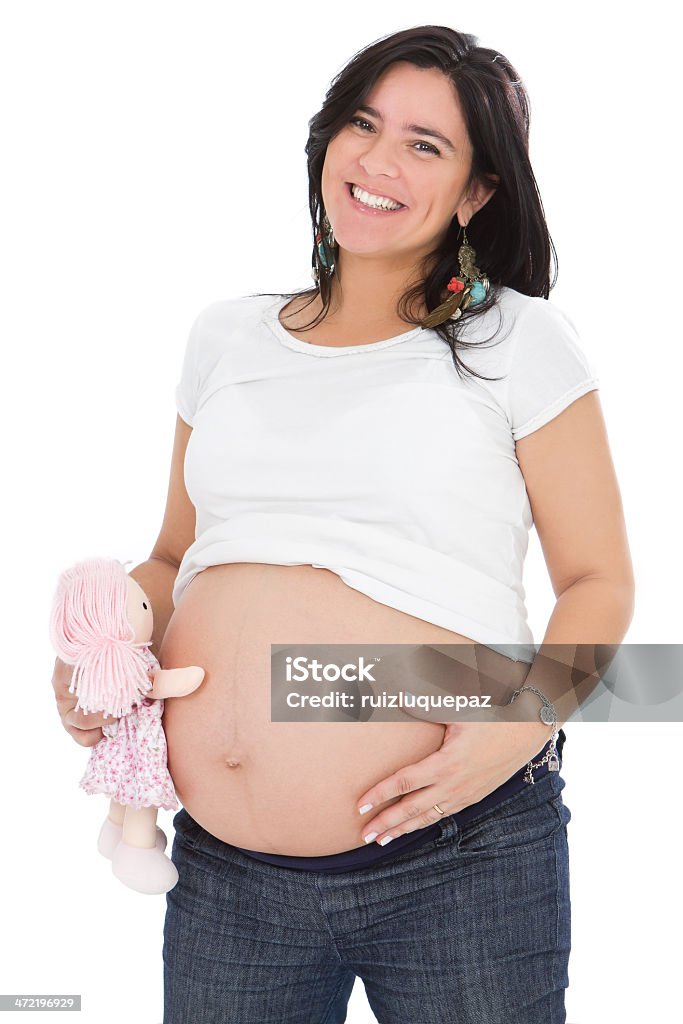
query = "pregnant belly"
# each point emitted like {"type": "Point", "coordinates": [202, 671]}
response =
{"type": "Point", "coordinates": [279, 787]}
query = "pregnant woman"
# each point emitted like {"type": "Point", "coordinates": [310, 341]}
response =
{"type": "Point", "coordinates": [340, 474]}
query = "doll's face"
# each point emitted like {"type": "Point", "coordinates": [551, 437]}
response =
{"type": "Point", "coordinates": [140, 614]}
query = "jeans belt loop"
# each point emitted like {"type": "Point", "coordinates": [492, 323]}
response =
{"type": "Point", "coordinates": [449, 828]}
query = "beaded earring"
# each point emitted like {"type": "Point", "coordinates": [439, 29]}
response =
{"type": "Point", "coordinates": [469, 288]}
{"type": "Point", "coordinates": [323, 243]}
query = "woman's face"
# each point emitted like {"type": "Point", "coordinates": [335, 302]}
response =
{"type": "Point", "coordinates": [425, 173]}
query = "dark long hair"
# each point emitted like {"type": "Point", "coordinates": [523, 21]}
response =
{"type": "Point", "coordinates": [509, 233]}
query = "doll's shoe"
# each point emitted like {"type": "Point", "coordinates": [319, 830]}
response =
{"type": "Point", "coordinates": [111, 834]}
{"type": "Point", "coordinates": [146, 870]}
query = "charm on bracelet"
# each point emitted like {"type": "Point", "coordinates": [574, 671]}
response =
{"type": "Point", "coordinates": [548, 716]}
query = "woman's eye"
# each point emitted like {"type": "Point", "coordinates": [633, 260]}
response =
{"type": "Point", "coordinates": [433, 149]}
{"type": "Point", "coordinates": [361, 120]}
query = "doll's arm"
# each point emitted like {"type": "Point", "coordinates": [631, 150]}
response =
{"type": "Point", "coordinates": [175, 682]}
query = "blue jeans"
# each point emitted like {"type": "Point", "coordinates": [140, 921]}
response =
{"type": "Point", "coordinates": [473, 928]}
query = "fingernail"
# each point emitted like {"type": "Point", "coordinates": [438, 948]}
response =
{"type": "Point", "coordinates": [365, 808]}
{"type": "Point", "coordinates": [370, 836]}
{"type": "Point", "coordinates": [383, 842]}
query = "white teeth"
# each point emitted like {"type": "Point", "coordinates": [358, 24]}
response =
{"type": "Point", "coordinates": [380, 202]}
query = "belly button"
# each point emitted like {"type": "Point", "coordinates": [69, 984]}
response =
{"type": "Point", "coordinates": [232, 764]}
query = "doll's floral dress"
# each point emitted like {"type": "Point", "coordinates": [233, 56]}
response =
{"type": "Point", "coordinates": [129, 763]}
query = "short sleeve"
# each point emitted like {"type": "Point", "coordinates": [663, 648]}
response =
{"type": "Point", "coordinates": [548, 370]}
{"type": "Point", "coordinates": [187, 389]}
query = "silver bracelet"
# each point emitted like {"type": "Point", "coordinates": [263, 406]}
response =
{"type": "Point", "coordinates": [548, 716]}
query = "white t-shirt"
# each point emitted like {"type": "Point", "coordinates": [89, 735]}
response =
{"type": "Point", "coordinates": [377, 461]}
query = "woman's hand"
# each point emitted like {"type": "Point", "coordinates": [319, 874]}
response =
{"type": "Point", "coordinates": [85, 729]}
{"type": "Point", "coordinates": [474, 759]}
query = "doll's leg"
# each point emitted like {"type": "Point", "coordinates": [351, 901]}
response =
{"type": "Point", "coordinates": [111, 832]}
{"type": "Point", "coordinates": [117, 812]}
{"type": "Point", "coordinates": [137, 860]}
{"type": "Point", "coordinates": [112, 829]}
{"type": "Point", "coordinates": [139, 827]}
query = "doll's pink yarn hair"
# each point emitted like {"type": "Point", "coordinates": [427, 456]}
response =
{"type": "Point", "coordinates": [89, 629]}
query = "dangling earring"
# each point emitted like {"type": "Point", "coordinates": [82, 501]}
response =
{"type": "Point", "coordinates": [323, 247]}
{"type": "Point", "coordinates": [469, 288]}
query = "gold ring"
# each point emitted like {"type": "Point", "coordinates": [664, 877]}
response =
{"type": "Point", "coordinates": [439, 809]}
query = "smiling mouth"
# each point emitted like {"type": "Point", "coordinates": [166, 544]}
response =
{"type": "Point", "coordinates": [351, 185]}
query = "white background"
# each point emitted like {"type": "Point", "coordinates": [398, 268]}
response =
{"type": "Point", "coordinates": [153, 162]}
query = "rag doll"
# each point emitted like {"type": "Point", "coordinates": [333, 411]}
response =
{"type": "Point", "coordinates": [101, 623]}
